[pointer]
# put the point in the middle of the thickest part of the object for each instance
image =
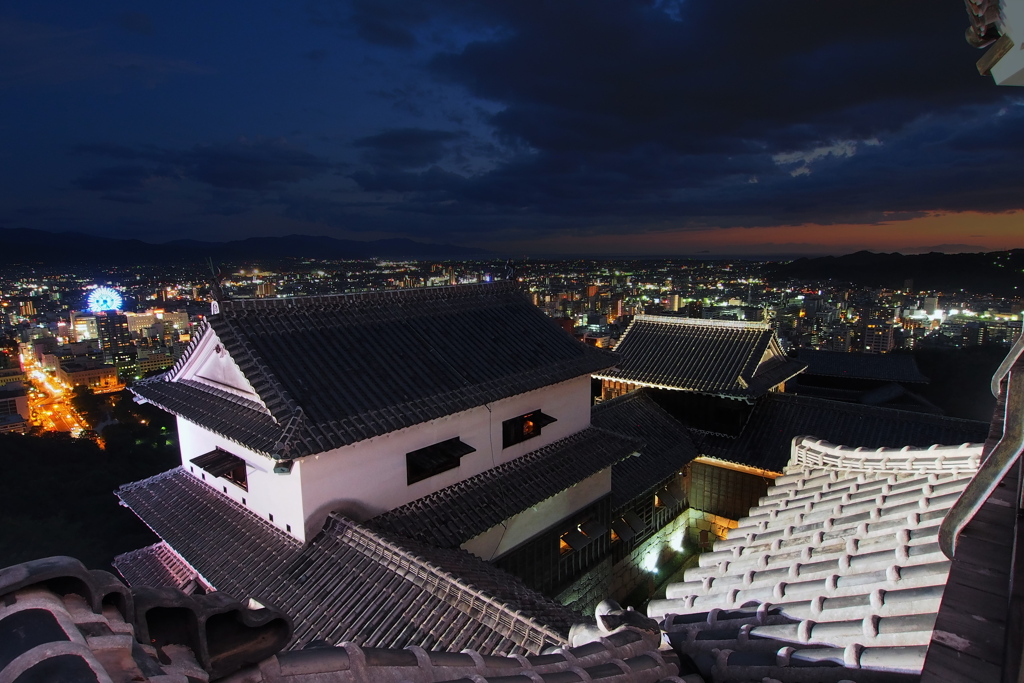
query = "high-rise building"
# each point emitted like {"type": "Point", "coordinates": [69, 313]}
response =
{"type": "Point", "coordinates": [878, 337]}
{"type": "Point", "coordinates": [83, 326]}
{"type": "Point", "coordinates": [116, 341]}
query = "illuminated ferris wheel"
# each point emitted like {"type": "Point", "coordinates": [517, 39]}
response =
{"type": "Point", "coordinates": [104, 299]}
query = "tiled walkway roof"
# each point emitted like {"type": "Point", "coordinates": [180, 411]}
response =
{"type": "Point", "coordinates": [884, 367]}
{"type": "Point", "coordinates": [836, 575]}
{"type": "Point", "coordinates": [339, 369]}
{"type": "Point", "coordinates": [154, 565]}
{"type": "Point", "coordinates": [348, 583]}
{"type": "Point", "coordinates": [778, 418]}
{"type": "Point", "coordinates": [719, 357]}
{"type": "Point", "coordinates": [667, 444]}
{"type": "Point", "coordinates": [450, 517]}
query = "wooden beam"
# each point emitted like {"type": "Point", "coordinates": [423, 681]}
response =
{"type": "Point", "coordinates": [993, 54]}
{"type": "Point", "coordinates": [746, 469]}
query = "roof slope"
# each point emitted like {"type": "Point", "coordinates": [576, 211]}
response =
{"type": "Point", "coordinates": [884, 367]}
{"type": "Point", "coordinates": [721, 357]}
{"type": "Point", "coordinates": [348, 583]}
{"type": "Point", "coordinates": [667, 444]}
{"type": "Point", "coordinates": [155, 565]}
{"type": "Point", "coordinates": [334, 370]}
{"type": "Point", "coordinates": [450, 517]}
{"type": "Point", "coordinates": [838, 569]}
{"type": "Point", "coordinates": [778, 418]}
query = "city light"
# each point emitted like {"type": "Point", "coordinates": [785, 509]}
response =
{"type": "Point", "coordinates": [104, 299]}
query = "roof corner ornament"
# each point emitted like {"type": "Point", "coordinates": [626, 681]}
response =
{"type": "Point", "coordinates": [216, 277]}
{"type": "Point", "coordinates": [283, 447]}
{"type": "Point", "coordinates": [510, 270]}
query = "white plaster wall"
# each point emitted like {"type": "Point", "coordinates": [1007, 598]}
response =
{"type": "Point", "coordinates": [502, 538]}
{"type": "Point", "coordinates": [279, 495]}
{"type": "Point", "coordinates": [369, 477]}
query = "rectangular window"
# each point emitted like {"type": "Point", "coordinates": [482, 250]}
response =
{"type": "Point", "coordinates": [524, 427]}
{"type": "Point", "coordinates": [426, 462]}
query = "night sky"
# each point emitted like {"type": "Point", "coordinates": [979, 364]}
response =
{"type": "Point", "coordinates": [562, 126]}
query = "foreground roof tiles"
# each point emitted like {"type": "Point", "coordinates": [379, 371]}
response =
{"type": "Point", "coordinates": [455, 514]}
{"type": "Point", "coordinates": [836, 575]}
{"type": "Point", "coordinates": [334, 370]}
{"type": "Point", "coordinates": [721, 357]}
{"type": "Point", "coordinates": [62, 622]}
{"type": "Point", "coordinates": [667, 446]}
{"type": "Point", "coordinates": [777, 418]}
{"type": "Point", "coordinates": [349, 583]}
{"type": "Point", "coordinates": [884, 367]}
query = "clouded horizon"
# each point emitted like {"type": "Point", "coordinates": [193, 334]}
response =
{"type": "Point", "coordinates": [603, 126]}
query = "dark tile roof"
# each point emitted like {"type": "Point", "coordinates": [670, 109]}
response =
{"type": "Point", "coordinates": [667, 444]}
{"type": "Point", "coordinates": [884, 367]}
{"type": "Point", "coordinates": [777, 418]}
{"type": "Point", "coordinates": [245, 422]}
{"type": "Point", "coordinates": [334, 370]}
{"type": "Point", "coordinates": [721, 357]}
{"type": "Point", "coordinates": [61, 622]}
{"type": "Point", "coordinates": [450, 517]}
{"type": "Point", "coordinates": [349, 583]}
{"type": "Point", "coordinates": [155, 565]}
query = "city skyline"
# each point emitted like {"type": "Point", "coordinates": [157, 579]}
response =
{"type": "Point", "coordinates": [618, 128]}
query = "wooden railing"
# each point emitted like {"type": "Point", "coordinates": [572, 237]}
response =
{"type": "Point", "coordinates": [1002, 458]}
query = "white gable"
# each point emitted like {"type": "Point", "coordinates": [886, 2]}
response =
{"type": "Point", "coordinates": [210, 363]}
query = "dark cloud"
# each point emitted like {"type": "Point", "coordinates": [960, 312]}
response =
{"type": "Point", "coordinates": [125, 199]}
{"type": "Point", "coordinates": [252, 166]}
{"type": "Point", "coordinates": [118, 178]}
{"type": "Point", "coordinates": [406, 148]}
{"type": "Point", "coordinates": [258, 165]}
{"type": "Point", "coordinates": [35, 54]}
{"type": "Point", "coordinates": [700, 114]}
{"type": "Point", "coordinates": [533, 117]}
{"type": "Point", "coordinates": [389, 23]}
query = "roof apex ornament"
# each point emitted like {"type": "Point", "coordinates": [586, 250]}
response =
{"type": "Point", "coordinates": [216, 277]}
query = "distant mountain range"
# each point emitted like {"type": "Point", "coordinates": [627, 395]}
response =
{"type": "Point", "coordinates": [24, 246]}
{"type": "Point", "coordinates": [998, 272]}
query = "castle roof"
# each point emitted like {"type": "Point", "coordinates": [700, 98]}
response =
{"type": "Point", "coordinates": [329, 371]}
{"type": "Point", "coordinates": [349, 583]}
{"type": "Point", "coordinates": [667, 445]}
{"type": "Point", "coordinates": [835, 575]}
{"type": "Point", "coordinates": [777, 418]}
{"type": "Point", "coordinates": [884, 367]}
{"type": "Point", "coordinates": [455, 514]}
{"type": "Point", "coordinates": [721, 357]}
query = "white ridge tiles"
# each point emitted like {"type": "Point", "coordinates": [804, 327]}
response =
{"type": "Point", "coordinates": [835, 576]}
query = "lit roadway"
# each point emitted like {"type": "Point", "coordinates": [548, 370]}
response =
{"type": "Point", "coordinates": [52, 409]}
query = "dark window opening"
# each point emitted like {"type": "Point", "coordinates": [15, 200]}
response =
{"type": "Point", "coordinates": [426, 462]}
{"type": "Point", "coordinates": [524, 427]}
{"type": "Point", "coordinates": [238, 477]}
